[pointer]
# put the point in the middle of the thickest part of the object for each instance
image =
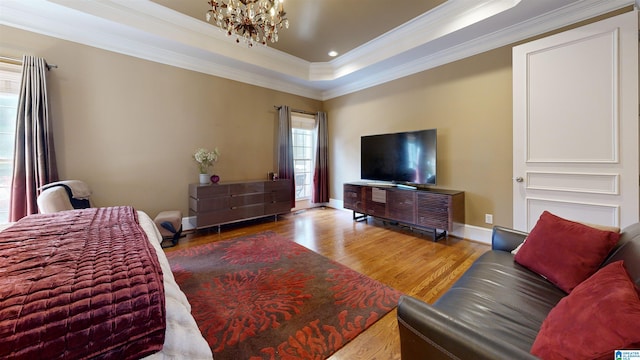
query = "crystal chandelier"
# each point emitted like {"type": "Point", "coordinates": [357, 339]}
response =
{"type": "Point", "coordinates": [256, 21]}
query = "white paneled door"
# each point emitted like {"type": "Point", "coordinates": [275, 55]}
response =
{"type": "Point", "coordinates": [575, 125]}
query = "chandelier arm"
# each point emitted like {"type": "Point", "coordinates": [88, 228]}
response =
{"type": "Point", "coordinates": [253, 20]}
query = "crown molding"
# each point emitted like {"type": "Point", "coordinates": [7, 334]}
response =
{"type": "Point", "coordinates": [527, 29]}
{"type": "Point", "coordinates": [443, 20]}
{"type": "Point", "coordinates": [154, 19]}
{"type": "Point", "coordinates": [157, 20]}
{"type": "Point", "coordinates": [146, 30]}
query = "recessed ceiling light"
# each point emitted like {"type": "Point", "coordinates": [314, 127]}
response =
{"type": "Point", "coordinates": [333, 53]}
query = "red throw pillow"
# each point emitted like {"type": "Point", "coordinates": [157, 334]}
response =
{"type": "Point", "coordinates": [565, 252]}
{"type": "Point", "coordinates": [601, 315]}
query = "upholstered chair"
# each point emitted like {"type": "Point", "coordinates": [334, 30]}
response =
{"type": "Point", "coordinates": [64, 195]}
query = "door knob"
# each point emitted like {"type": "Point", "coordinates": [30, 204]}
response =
{"type": "Point", "coordinates": [519, 179]}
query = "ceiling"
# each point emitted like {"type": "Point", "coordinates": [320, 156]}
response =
{"type": "Point", "coordinates": [377, 42]}
{"type": "Point", "coordinates": [318, 26]}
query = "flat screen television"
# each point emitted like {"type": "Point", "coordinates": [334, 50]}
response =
{"type": "Point", "coordinates": [403, 158]}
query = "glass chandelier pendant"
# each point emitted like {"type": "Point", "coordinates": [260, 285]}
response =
{"type": "Point", "coordinates": [255, 21]}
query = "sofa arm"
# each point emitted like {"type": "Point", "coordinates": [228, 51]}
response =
{"type": "Point", "coordinates": [427, 333]}
{"type": "Point", "coordinates": [506, 239]}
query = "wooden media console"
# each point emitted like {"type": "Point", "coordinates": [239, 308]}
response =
{"type": "Point", "coordinates": [432, 209]}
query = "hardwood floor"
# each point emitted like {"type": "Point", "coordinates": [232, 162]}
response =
{"type": "Point", "coordinates": [408, 261]}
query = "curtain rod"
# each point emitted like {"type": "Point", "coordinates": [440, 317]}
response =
{"type": "Point", "coordinates": [49, 66]}
{"type": "Point", "coordinates": [296, 110]}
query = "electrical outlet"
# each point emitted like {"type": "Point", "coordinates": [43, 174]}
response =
{"type": "Point", "coordinates": [488, 218]}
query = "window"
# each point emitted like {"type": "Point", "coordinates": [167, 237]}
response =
{"type": "Point", "coordinates": [303, 130]}
{"type": "Point", "coordinates": [10, 76]}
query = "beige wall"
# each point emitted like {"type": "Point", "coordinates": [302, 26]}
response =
{"type": "Point", "coordinates": [129, 127]}
{"type": "Point", "coordinates": [468, 101]}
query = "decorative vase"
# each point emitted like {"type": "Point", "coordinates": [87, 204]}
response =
{"type": "Point", "coordinates": [215, 179]}
{"type": "Point", "coordinates": [204, 178]}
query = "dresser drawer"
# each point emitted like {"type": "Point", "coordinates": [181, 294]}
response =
{"type": "Point", "coordinates": [246, 188]}
{"type": "Point", "coordinates": [353, 197]}
{"type": "Point", "coordinates": [206, 191]}
{"type": "Point", "coordinates": [210, 218]}
{"type": "Point", "coordinates": [278, 185]}
{"type": "Point", "coordinates": [401, 205]}
{"type": "Point", "coordinates": [210, 204]}
{"type": "Point", "coordinates": [246, 200]}
{"type": "Point", "coordinates": [277, 208]}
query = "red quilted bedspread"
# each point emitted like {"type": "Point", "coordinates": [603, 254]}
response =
{"type": "Point", "coordinates": [80, 284]}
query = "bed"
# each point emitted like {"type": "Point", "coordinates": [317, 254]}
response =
{"type": "Point", "coordinates": [165, 328]}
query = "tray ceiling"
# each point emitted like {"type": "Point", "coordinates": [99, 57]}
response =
{"type": "Point", "coordinates": [377, 42]}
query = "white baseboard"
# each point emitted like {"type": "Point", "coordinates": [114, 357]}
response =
{"type": "Point", "coordinates": [337, 204]}
{"type": "Point", "coordinates": [475, 233]}
{"type": "Point", "coordinates": [470, 232]}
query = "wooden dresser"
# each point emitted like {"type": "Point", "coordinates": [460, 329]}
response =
{"type": "Point", "coordinates": [224, 203]}
{"type": "Point", "coordinates": [434, 209]}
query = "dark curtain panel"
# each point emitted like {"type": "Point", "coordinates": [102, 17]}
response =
{"type": "Point", "coordinates": [285, 150]}
{"type": "Point", "coordinates": [34, 162]}
{"type": "Point", "coordinates": [321, 172]}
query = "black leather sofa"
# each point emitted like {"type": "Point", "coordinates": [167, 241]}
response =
{"type": "Point", "coordinates": [495, 310]}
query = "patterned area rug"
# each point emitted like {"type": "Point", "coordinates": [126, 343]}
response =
{"type": "Point", "coordinates": [265, 297]}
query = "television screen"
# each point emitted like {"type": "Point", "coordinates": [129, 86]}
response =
{"type": "Point", "coordinates": [407, 157]}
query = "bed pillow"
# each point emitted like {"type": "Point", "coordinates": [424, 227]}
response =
{"type": "Point", "coordinates": [565, 252]}
{"type": "Point", "coordinates": [601, 315]}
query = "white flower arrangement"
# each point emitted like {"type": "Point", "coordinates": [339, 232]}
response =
{"type": "Point", "coordinates": [206, 158]}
